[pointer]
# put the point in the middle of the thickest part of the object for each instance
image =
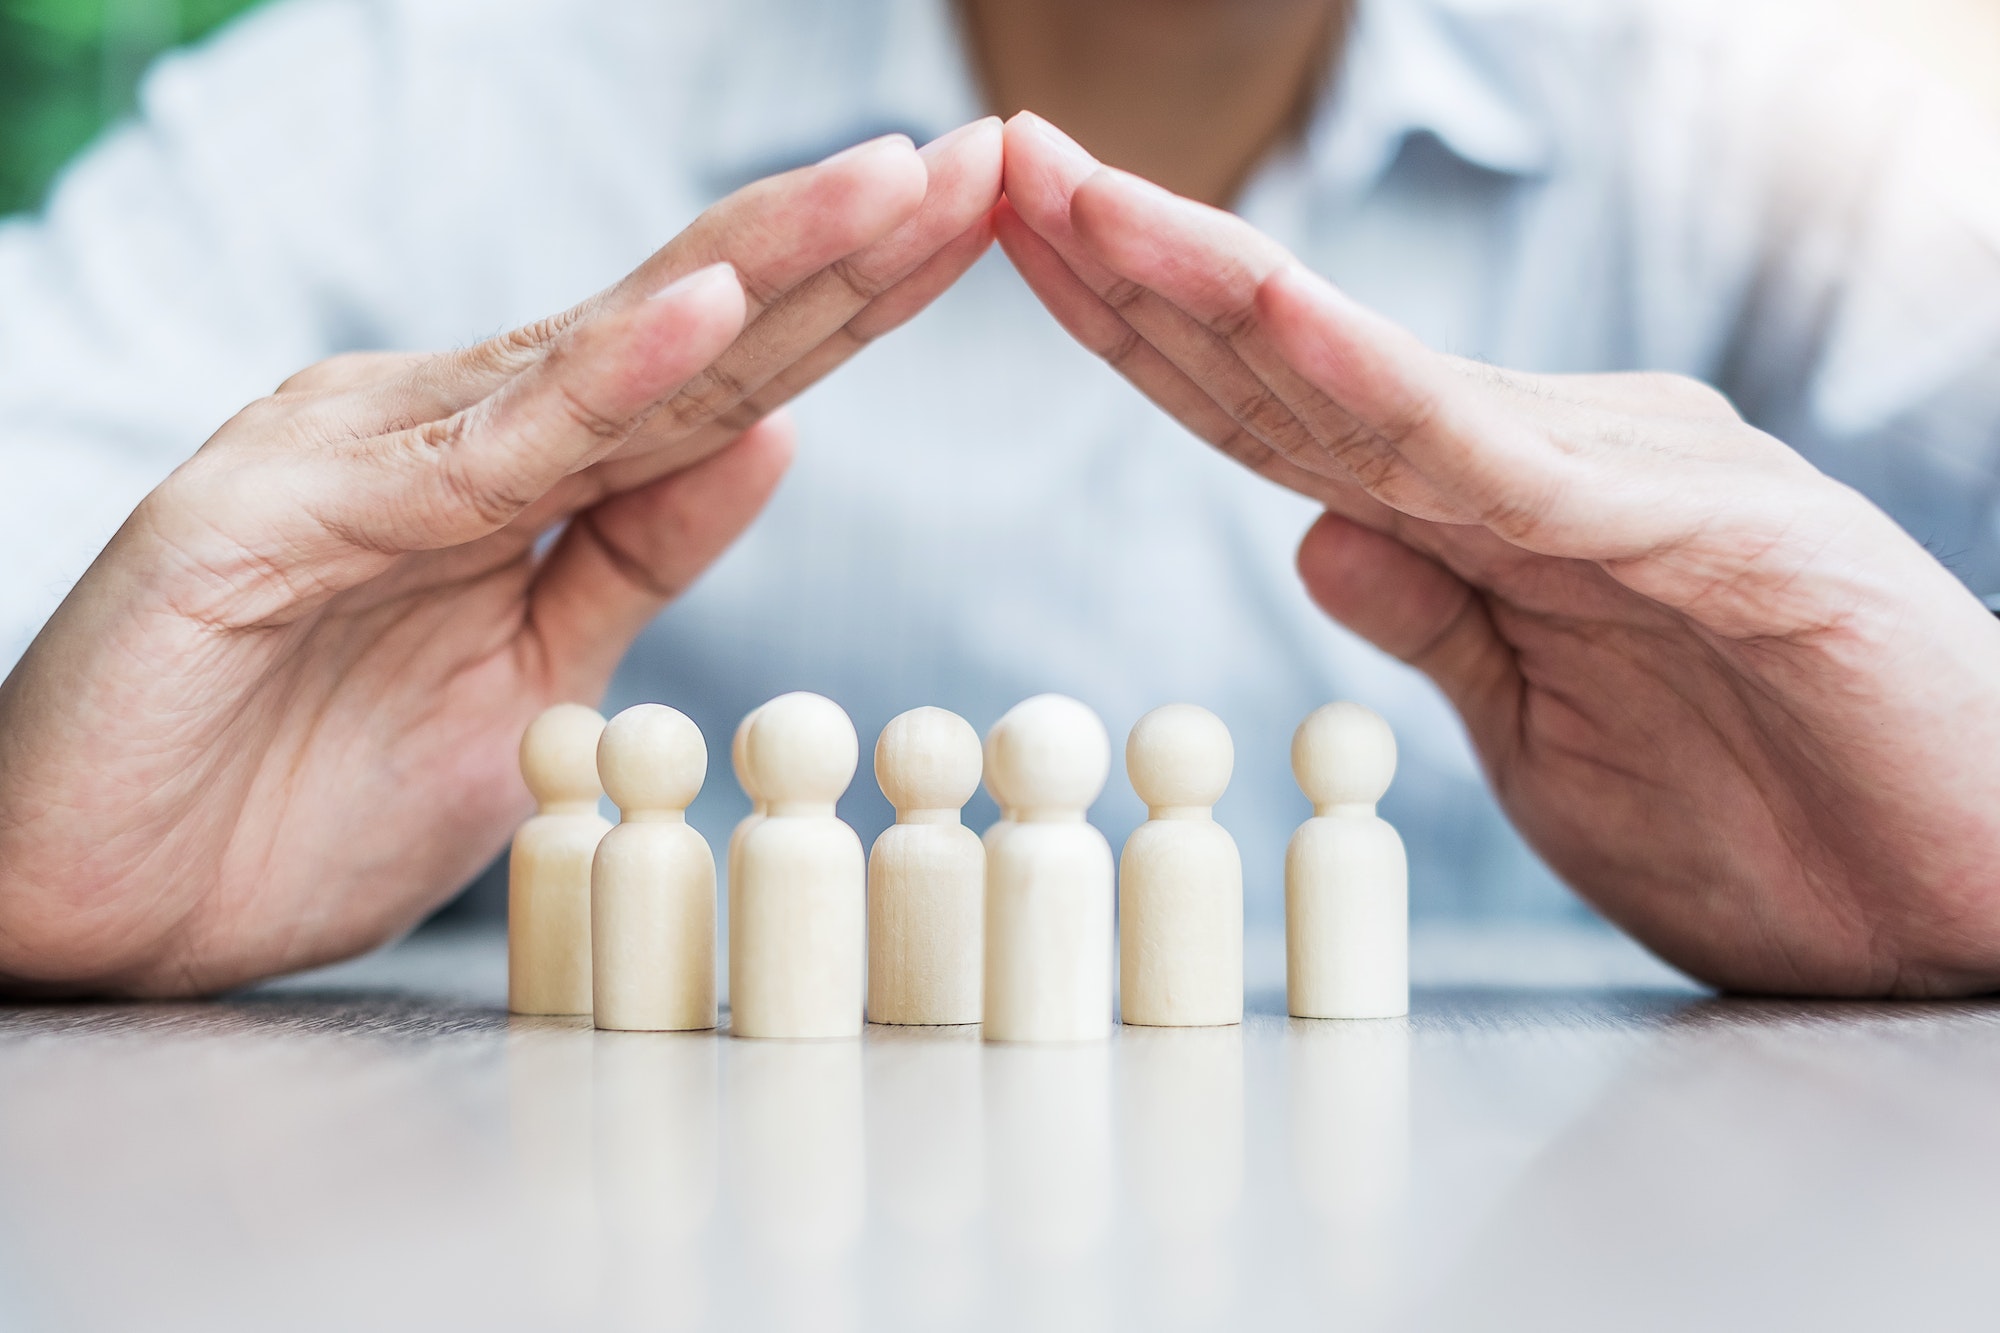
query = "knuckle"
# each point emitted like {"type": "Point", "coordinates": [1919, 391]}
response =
{"type": "Point", "coordinates": [858, 283]}
{"type": "Point", "coordinates": [1264, 412]}
{"type": "Point", "coordinates": [705, 398]}
{"type": "Point", "coordinates": [1702, 399]}
{"type": "Point", "coordinates": [484, 490]}
{"type": "Point", "coordinates": [488, 494]}
{"type": "Point", "coordinates": [341, 368]}
{"type": "Point", "coordinates": [1366, 455]}
{"type": "Point", "coordinates": [1247, 449]}
{"type": "Point", "coordinates": [760, 290]}
{"type": "Point", "coordinates": [583, 416]}
{"type": "Point", "coordinates": [1122, 295]}
{"type": "Point", "coordinates": [1120, 353]}
{"type": "Point", "coordinates": [1234, 325]}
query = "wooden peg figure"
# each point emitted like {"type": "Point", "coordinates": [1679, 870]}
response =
{"type": "Point", "coordinates": [548, 869]}
{"type": "Point", "coordinates": [652, 889]}
{"type": "Point", "coordinates": [1049, 878]}
{"type": "Point", "coordinates": [739, 760]}
{"type": "Point", "coordinates": [800, 940]}
{"type": "Point", "coordinates": [926, 875]}
{"type": "Point", "coordinates": [1180, 880]}
{"type": "Point", "coordinates": [1004, 820]}
{"type": "Point", "coordinates": [1347, 914]}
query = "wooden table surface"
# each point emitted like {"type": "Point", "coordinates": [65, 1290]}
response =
{"type": "Point", "coordinates": [1562, 1136]}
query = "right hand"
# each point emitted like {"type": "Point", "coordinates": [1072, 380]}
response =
{"type": "Point", "coordinates": [276, 721]}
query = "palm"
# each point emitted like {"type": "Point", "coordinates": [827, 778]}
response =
{"type": "Point", "coordinates": [1684, 655]}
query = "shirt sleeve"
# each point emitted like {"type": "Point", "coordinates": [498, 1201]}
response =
{"type": "Point", "coordinates": [184, 266]}
{"type": "Point", "coordinates": [1858, 201]}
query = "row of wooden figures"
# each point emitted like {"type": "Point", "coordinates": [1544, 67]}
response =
{"type": "Point", "coordinates": [937, 925]}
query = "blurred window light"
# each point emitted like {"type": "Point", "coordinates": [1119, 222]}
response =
{"type": "Point", "coordinates": [1956, 40]}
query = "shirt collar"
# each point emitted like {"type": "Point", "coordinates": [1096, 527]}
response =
{"type": "Point", "coordinates": [1414, 67]}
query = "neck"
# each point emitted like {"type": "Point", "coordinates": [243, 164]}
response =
{"type": "Point", "coordinates": [798, 809]}
{"type": "Point", "coordinates": [1180, 812]}
{"type": "Point", "coordinates": [1191, 94]}
{"type": "Point", "coordinates": [1347, 810]}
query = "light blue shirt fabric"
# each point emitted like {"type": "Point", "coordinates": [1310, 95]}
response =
{"type": "Point", "coordinates": [980, 510]}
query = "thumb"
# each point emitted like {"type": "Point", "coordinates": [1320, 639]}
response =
{"type": "Point", "coordinates": [1413, 608]}
{"type": "Point", "coordinates": [620, 561]}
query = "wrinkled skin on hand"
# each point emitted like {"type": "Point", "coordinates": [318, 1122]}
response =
{"type": "Point", "coordinates": [276, 721]}
{"type": "Point", "coordinates": [1727, 698]}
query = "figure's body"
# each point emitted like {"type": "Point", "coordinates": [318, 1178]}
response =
{"type": "Point", "coordinates": [1347, 913]}
{"type": "Point", "coordinates": [802, 935]}
{"type": "Point", "coordinates": [739, 762]}
{"type": "Point", "coordinates": [926, 876]}
{"type": "Point", "coordinates": [1049, 879]}
{"type": "Point", "coordinates": [1180, 879]}
{"type": "Point", "coordinates": [548, 871]}
{"type": "Point", "coordinates": [652, 908]}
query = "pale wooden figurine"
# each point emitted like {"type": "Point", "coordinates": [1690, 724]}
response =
{"type": "Point", "coordinates": [1001, 801]}
{"type": "Point", "coordinates": [1180, 880]}
{"type": "Point", "coordinates": [548, 870]}
{"type": "Point", "coordinates": [1347, 927]}
{"type": "Point", "coordinates": [800, 939]}
{"type": "Point", "coordinates": [739, 760]}
{"type": "Point", "coordinates": [1049, 879]}
{"type": "Point", "coordinates": [926, 875]}
{"type": "Point", "coordinates": [652, 890]}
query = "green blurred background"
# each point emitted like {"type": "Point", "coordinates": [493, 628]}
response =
{"type": "Point", "coordinates": [67, 67]}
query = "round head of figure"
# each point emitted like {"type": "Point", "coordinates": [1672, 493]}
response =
{"type": "Point", "coordinates": [928, 759]}
{"type": "Point", "coordinates": [559, 756]}
{"type": "Point", "coordinates": [739, 757]}
{"type": "Point", "coordinates": [652, 757]}
{"type": "Point", "coordinates": [1343, 754]}
{"type": "Point", "coordinates": [803, 749]}
{"type": "Point", "coordinates": [990, 774]}
{"type": "Point", "coordinates": [1050, 753]}
{"type": "Point", "coordinates": [1179, 756]}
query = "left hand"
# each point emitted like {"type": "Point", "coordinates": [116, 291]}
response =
{"type": "Point", "coordinates": [1726, 697]}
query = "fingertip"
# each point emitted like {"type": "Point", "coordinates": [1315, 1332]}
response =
{"type": "Point", "coordinates": [879, 184]}
{"type": "Point", "coordinates": [703, 308]}
{"type": "Point", "coordinates": [1027, 123]}
{"type": "Point", "coordinates": [963, 168]}
{"type": "Point", "coordinates": [775, 441]}
{"type": "Point", "coordinates": [885, 146]}
{"type": "Point", "coordinates": [1040, 167]}
{"type": "Point", "coordinates": [709, 284]}
{"type": "Point", "coordinates": [984, 131]}
{"type": "Point", "coordinates": [1319, 557]}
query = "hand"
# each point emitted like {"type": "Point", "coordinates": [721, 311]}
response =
{"type": "Point", "coordinates": [276, 721]}
{"type": "Point", "coordinates": [1727, 698]}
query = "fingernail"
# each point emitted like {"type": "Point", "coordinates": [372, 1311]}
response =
{"type": "Point", "coordinates": [1056, 137]}
{"type": "Point", "coordinates": [869, 145]}
{"type": "Point", "coordinates": [950, 137]}
{"type": "Point", "coordinates": [709, 275]}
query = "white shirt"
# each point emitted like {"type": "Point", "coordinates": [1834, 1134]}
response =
{"type": "Point", "coordinates": [980, 510]}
